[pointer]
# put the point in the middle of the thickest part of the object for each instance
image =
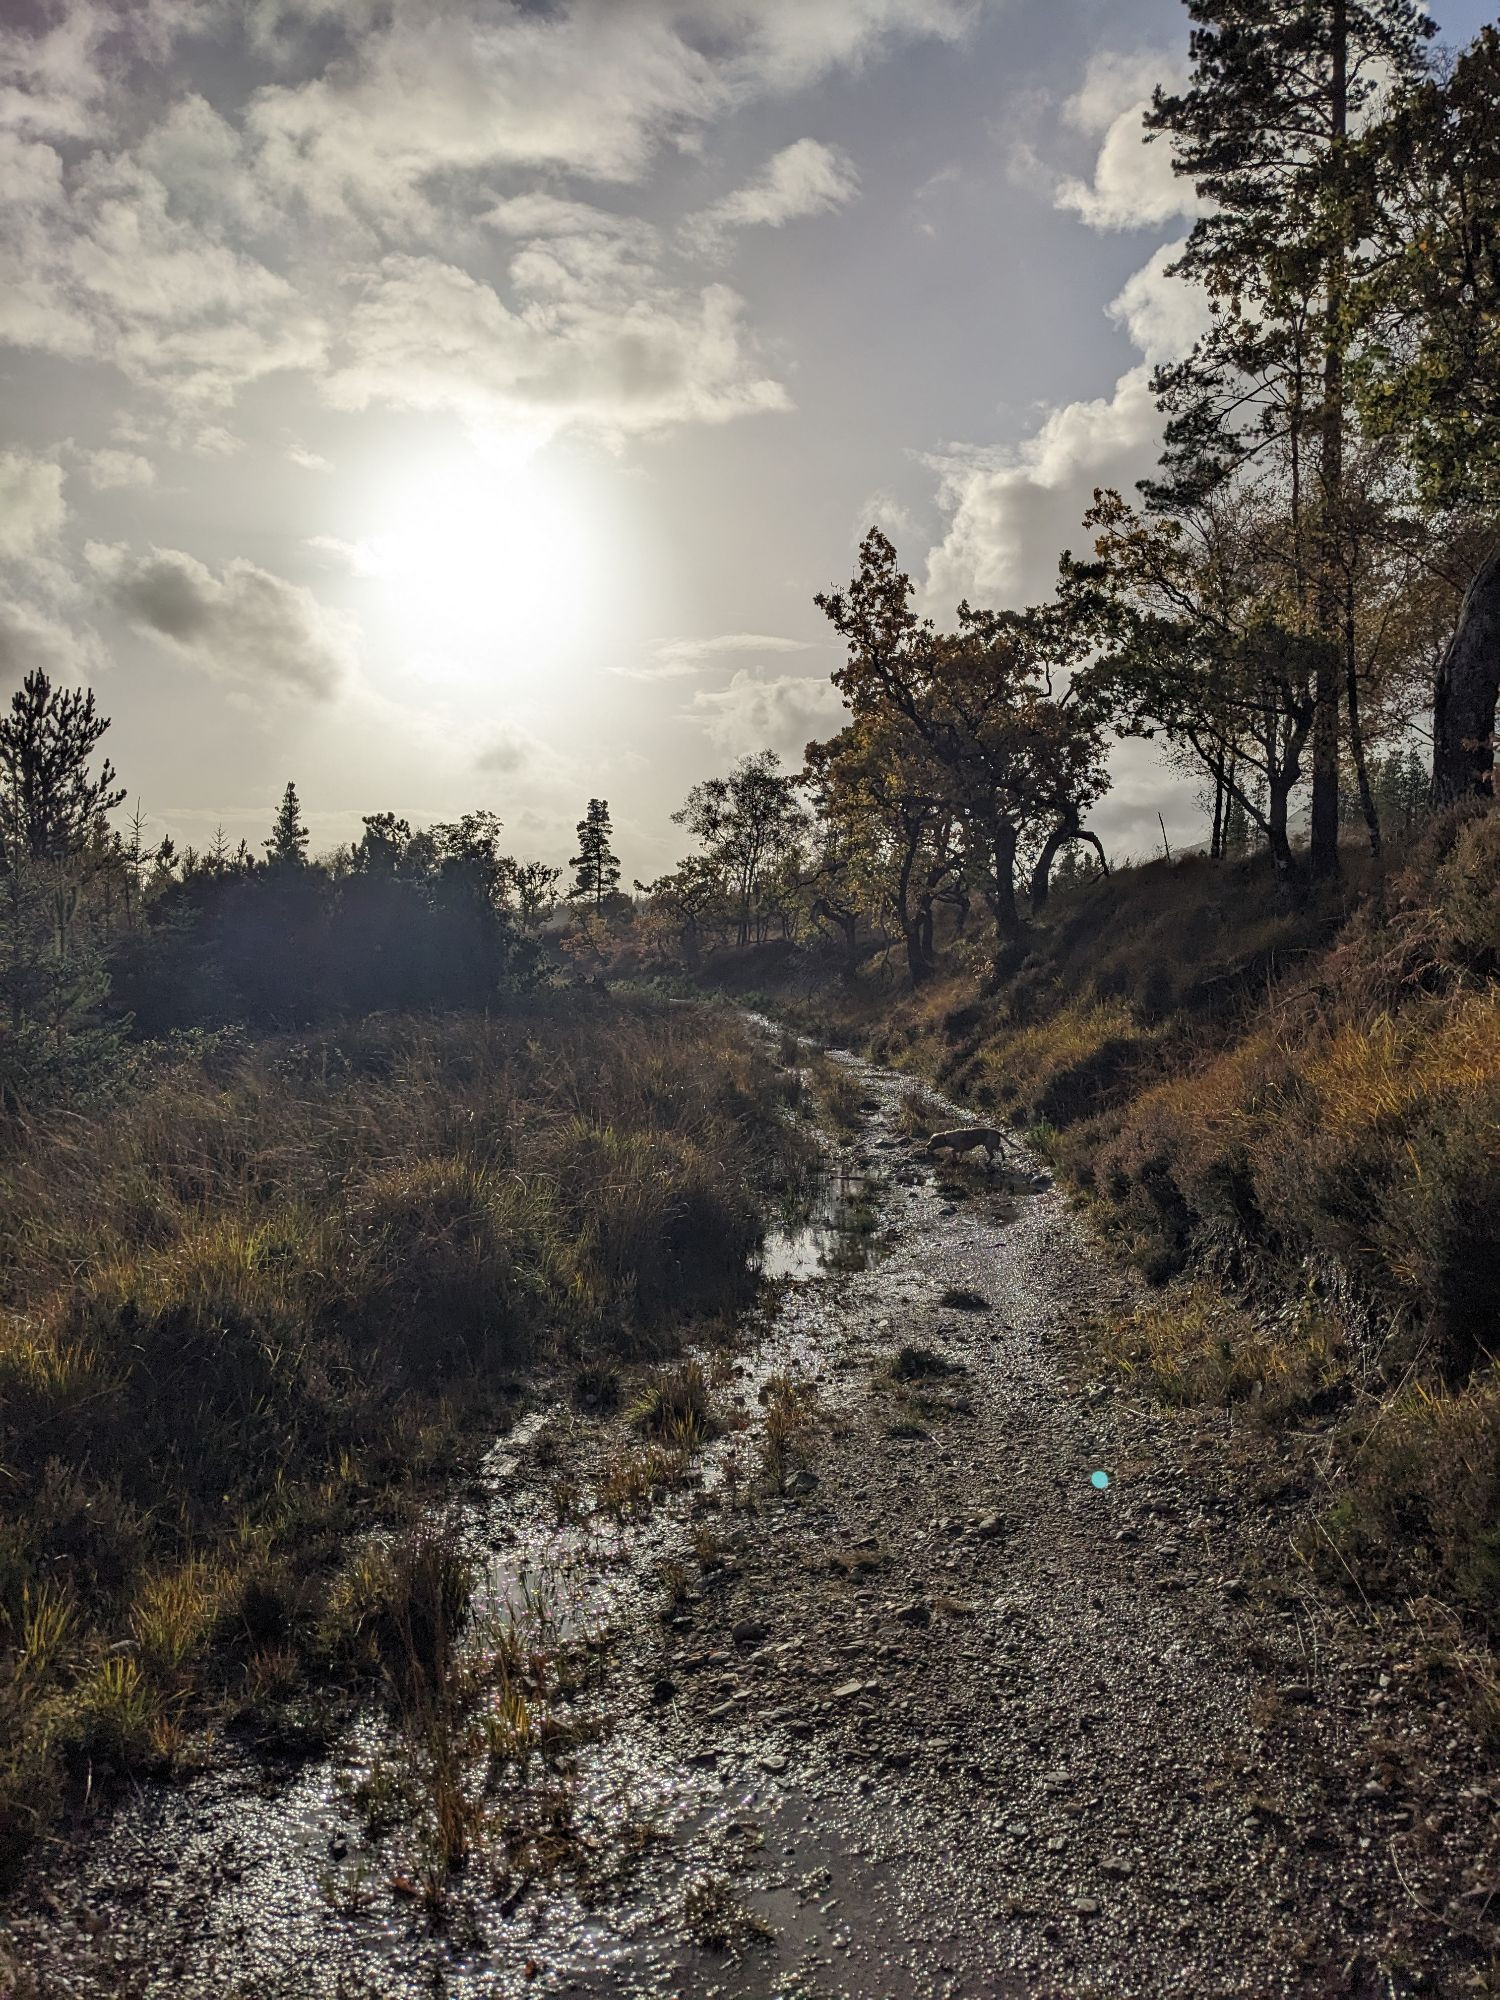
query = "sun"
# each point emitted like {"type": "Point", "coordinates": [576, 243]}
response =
{"type": "Point", "coordinates": [485, 559]}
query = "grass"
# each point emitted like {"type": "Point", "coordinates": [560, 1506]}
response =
{"type": "Point", "coordinates": [715, 1917]}
{"type": "Point", "coordinates": [674, 1406]}
{"type": "Point", "coordinates": [256, 1309]}
{"type": "Point", "coordinates": [1421, 1499]}
{"type": "Point", "coordinates": [837, 1093]}
{"type": "Point", "coordinates": [1194, 1346]}
{"type": "Point", "coordinates": [791, 1407]}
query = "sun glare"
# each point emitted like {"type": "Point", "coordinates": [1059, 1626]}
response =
{"type": "Point", "coordinates": [488, 562]}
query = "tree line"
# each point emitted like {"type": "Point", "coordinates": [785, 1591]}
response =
{"type": "Point", "coordinates": [105, 934]}
{"type": "Point", "coordinates": [1307, 586]}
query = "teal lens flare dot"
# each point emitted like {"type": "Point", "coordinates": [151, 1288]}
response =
{"type": "Point", "coordinates": [1099, 1480]}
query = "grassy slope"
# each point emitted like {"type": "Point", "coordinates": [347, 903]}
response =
{"type": "Point", "coordinates": [1300, 1105]}
{"type": "Point", "coordinates": [248, 1309]}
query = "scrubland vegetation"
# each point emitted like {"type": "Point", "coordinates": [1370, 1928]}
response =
{"type": "Point", "coordinates": [253, 1303]}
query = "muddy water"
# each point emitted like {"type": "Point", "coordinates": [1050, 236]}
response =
{"type": "Point", "coordinates": [947, 1717]}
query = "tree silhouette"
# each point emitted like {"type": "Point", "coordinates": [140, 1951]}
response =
{"type": "Point", "coordinates": [596, 871]}
{"type": "Point", "coordinates": [49, 798]}
{"type": "Point", "coordinates": [1264, 132]}
{"type": "Point", "coordinates": [287, 847]}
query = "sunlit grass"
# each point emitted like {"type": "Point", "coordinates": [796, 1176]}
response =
{"type": "Point", "coordinates": [282, 1281]}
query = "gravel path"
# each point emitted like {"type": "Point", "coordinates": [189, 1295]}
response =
{"type": "Point", "coordinates": [1020, 1690]}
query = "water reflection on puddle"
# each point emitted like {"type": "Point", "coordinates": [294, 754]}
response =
{"type": "Point", "coordinates": [835, 1231]}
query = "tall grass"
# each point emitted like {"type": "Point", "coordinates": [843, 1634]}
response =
{"type": "Point", "coordinates": [247, 1307]}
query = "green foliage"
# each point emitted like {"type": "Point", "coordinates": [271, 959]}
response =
{"type": "Point", "coordinates": [1429, 378]}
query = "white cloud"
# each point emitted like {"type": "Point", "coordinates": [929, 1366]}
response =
{"type": "Point", "coordinates": [591, 86]}
{"type": "Point", "coordinates": [353, 558]}
{"type": "Point", "coordinates": [783, 713]}
{"type": "Point", "coordinates": [110, 468]}
{"type": "Point", "coordinates": [678, 659]}
{"type": "Point", "coordinates": [32, 508]}
{"type": "Point", "coordinates": [1164, 316]}
{"type": "Point", "coordinates": [106, 267]}
{"type": "Point", "coordinates": [1133, 184]}
{"type": "Point", "coordinates": [310, 461]}
{"type": "Point", "coordinates": [255, 630]}
{"type": "Point", "coordinates": [216, 245]}
{"type": "Point", "coordinates": [803, 179]}
{"type": "Point", "coordinates": [579, 352]}
{"type": "Point", "coordinates": [513, 752]}
{"type": "Point", "coordinates": [540, 215]}
{"type": "Point", "coordinates": [1010, 513]}
{"type": "Point", "coordinates": [32, 639]}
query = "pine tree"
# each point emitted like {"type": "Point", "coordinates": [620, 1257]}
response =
{"type": "Point", "coordinates": [596, 871]}
{"type": "Point", "coordinates": [1263, 130]}
{"type": "Point", "coordinates": [49, 798]}
{"type": "Point", "coordinates": [52, 809]}
{"type": "Point", "coordinates": [287, 847]}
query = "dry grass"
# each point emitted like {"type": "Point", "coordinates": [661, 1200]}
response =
{"type": "Point", "coordinates": [268, 1294]}
{"type": "Point", "coordinates": [791, 1408]}
{"type": "Point", "coordinates": [1192, 1346]}
{"type": "Point", "coordinates": [1421, 1504]}
{"type": "Point", "coordinates": [675, 1407]}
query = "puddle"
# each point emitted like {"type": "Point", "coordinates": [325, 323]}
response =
{"type": "Point", "coordinates": [836, 1232]}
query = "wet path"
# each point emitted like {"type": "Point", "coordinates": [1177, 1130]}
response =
{"type": "Point", "coordinates": [1013, 1689]}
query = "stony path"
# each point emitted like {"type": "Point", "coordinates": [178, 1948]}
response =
{"type": "Point", "coordinates": [954, 1718]}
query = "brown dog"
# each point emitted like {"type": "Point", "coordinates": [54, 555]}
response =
{"type": "Point", "coordinates": [968, 1139]}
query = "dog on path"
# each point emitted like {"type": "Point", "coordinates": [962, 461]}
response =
{"type": "Point", "coordinates": [967, 1139]}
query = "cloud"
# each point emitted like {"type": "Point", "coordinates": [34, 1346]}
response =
{"type": "Point", "coordinates": [580, 352]}
{"type": "Point", "coordinates": [32, 508]}
{"type": "Point", "coordinates": [101, 263]}
{"type": "Point", "coordinates": [783, 713]}
{"type": "Point", "coordinates": [1164, 316]}
{"type": "Point", "coordinates": [219, 243]}
{"type": "Point", "coordinates": [1133, 184]}
{"type": "Point", "coordinates": [57, 68]}
{"type": "Point", "coordinates": [110, 468]}
{"type": "Point", "coordinates": [511, 749]}
{"type": "Point", "coordinates": [353, 558]}
{"type": "Point", "coordinates": [32, 639]}
{"type": "Point", "coordinates": [310, 461]}
{"type": "Point", "coordinates": [591, 86]}
{"type": "Point", "coordinates": [1011, 512]}
{"type": "Point", "coordinates": [678, 659]}
{"type": "Point", "coordinates": [541, 215]}
{"type": "Point", "coordinates": [803, 179]}
{"type": "Point", "coordinates": [264, 635]}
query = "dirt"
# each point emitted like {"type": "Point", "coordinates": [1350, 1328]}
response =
{"type": "Point", "coordinates": [1018, 1687]}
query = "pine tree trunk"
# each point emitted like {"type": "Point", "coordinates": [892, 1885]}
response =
{"type": "Point", "coordinates": [1323, 830]}
{"type": "Point", "coordinates": [1463, 709]}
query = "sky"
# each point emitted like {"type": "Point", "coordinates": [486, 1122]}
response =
{"type": "Point", "coordinates": [455, 404]}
